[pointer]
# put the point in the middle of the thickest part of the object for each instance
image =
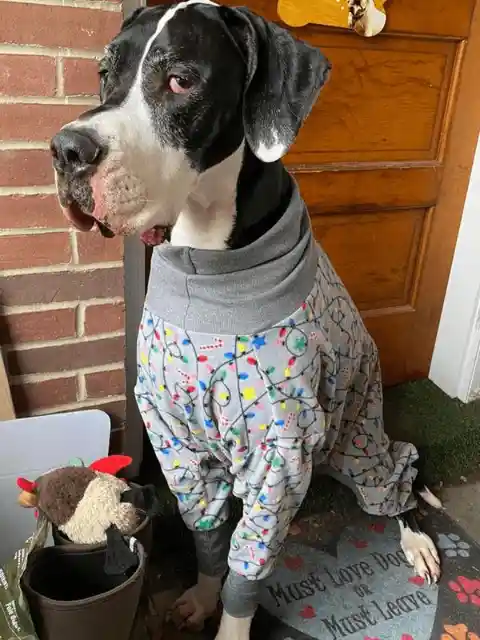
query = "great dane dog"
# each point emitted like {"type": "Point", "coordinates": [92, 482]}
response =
{"type": "Point", "coordinates": [254, 365]}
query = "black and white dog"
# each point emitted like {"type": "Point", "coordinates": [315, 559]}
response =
{"type": "Point", "coordinates": [199, 103]}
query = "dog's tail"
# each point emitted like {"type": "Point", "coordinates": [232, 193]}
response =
{"type": "Point", "coordinates": [420, 488]}
{"type": "Point", "coordinates": [429, 497]}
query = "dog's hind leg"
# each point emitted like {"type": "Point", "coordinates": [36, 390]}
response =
{"type": "Point", "coordinates": [418, 547]}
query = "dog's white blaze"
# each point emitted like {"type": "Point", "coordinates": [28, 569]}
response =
{"type": "Point", "coordinates": [167, 16]}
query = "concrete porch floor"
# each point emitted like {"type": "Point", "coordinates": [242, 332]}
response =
{"type": "Point", "coordinates": [463, 505]}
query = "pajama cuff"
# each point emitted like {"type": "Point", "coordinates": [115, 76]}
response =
{"type": "Point", "coordinates": [240, 596]}
{"type": "Point", "coordinates": [212, 549]}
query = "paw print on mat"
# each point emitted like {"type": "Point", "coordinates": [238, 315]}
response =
{"type": "Point", "coordinates": [466, 590]}
{"type": "Point", "coordinates": [453, 545]}
{"type": "Point", "coordinates": [458, 632]}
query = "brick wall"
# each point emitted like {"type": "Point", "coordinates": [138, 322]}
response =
{"type": "Point", "coordinates": [61, 292]}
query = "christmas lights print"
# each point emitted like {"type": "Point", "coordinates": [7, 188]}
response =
{"type": "Point", "coordinates": [252, 414]}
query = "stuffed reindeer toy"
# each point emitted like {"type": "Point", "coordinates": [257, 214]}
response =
{"type": "Point", "coordinates": [91, 505]}
{"type": "Point", "coordinates": [88, 585]}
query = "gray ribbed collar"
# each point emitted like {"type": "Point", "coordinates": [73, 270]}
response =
{"type": "Point", "coordinates": [241, 290]}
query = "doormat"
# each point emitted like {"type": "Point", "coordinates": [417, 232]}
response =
{"type": "Point", "coordinates": [360, 587]}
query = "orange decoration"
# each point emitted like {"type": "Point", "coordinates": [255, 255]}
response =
{"type": "Point", "coordinates": [366, 17]}
{"type": "Point", "coordinates": [458, 632]}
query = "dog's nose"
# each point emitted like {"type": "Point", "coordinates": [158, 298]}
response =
{"type": "Point", "coordinates": [75, 151]}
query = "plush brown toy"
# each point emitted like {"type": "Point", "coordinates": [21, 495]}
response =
{"type": "Point", "coordinates": [90, 505]}
{"type": "Point", "coordinates": [83, 502]}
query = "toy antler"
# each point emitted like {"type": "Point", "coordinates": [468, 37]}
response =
{"type": "Point", "coordinates": [27, 497]}
{"type": "Point", "coordinates": [111, 464]}
{"type": "Point", "coordinates": [26, 485]}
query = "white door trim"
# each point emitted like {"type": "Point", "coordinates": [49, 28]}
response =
{"type": "Point", "coordinates": [455, 365]}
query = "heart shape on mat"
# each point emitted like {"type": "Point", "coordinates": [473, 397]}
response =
{"type": "Point", "coordinates": [418, 580]}
{"type": "Point", "coordinates": [294, 563]}
{"type": "Point", "coordinates": [308, 613]}
{"type": "Point", "coordinates": [360, 544]}
{"type": "Point", "coordinates": [362, 594]}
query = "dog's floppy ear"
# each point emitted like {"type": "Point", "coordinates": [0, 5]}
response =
{"type": "Point", "coordinates": [132, 17]}
{"type": "Point", "coordinates": [284, 77]}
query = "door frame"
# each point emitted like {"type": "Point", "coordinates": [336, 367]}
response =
{"type": "Point", "coordinates": [453, 258]}
{"type": "Point", "coordinates": [135, 286]}
{"type": "Point", "coordinates": [455, 365]}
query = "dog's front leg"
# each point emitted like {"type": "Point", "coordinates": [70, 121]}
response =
{"type": "Point", "coordinates": [197, 604]}
{"type": "Point", "coordinates": [200, 602]}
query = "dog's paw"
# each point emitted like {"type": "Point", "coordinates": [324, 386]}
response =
{"type": "Point", "coordinates": [194, 607]}
{"type": "Point", "coordinates": [421, 553]}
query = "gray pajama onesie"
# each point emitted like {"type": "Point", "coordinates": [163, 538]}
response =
{"type": "Point", "coordinates": [255, 366]}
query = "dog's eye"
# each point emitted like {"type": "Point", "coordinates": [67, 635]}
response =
{"type": "Point", "coordinates": [177, 84]}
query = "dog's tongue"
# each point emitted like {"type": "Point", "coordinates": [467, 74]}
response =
{"type": "Point", "coordinates": [154, 236]}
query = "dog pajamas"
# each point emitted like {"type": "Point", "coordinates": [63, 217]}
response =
{"type": "Point", "coordinates": [254, 368]}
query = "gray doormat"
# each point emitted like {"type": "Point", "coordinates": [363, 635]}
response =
{"type": "Point", "coordinates": [358, 586]}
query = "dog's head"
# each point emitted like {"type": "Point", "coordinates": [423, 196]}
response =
{"type": "Point", "coordinates": [183, 87]}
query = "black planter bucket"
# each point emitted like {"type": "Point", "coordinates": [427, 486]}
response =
{"type": "Point", "coordinates": [72, 598]}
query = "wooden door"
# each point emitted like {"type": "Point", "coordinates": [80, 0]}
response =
{"type": "Point", "coordinates": [383, 163]}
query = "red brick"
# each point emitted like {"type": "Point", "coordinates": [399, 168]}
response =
{"type": "Point", "coordinates": [35, 121]}
{"type": "Point", "coordinates": [64, 357]}
{"type": "Point", "coordinates": [92, 247]}
{"type": "Point", "coordinates": [27, 75]}
{"type": "Point", "coordinates": [35, 250]}
{"type": "Point", "coordinates": [54, 26]}
{"type": "Point", "coordinates": [60, 287]}
{"type": "Point", "coordinates": [26, 167]}
{"type": "Point", "coordinates": [105, 383]}
{"type": "Point", "coordinates": [32, 326]}
{"type": "Point", "coordinates": [80, 77]}
{"type": "Point", "coordinates": [46, 394]}
{"type": "Point", "coordinates": [101, 318]}
{"type": "Point", "coordinates": [31, 212]}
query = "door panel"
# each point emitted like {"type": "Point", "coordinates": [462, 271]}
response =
{"type": "Point", "coordinates": [383, 163]}
{"type": "Point", "coordinates": [385, 101]}
{"type": "Point", "coordinates": [385, 278]}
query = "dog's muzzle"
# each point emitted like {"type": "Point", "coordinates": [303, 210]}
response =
{"type": "Point", "coordinates": [76, 155]}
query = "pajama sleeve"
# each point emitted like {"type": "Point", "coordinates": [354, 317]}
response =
{"type": "Point", "coordinates": [203, 491]}
{"type": "Point", "coordinates": [200, 485]}
{"type": "Point", "coordinates": [274, 489]}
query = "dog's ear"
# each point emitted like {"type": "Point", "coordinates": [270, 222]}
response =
{"type": "Point", "coordinates": [284, 77]}
{"type": "Point", "coordinates": [130, 19]}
